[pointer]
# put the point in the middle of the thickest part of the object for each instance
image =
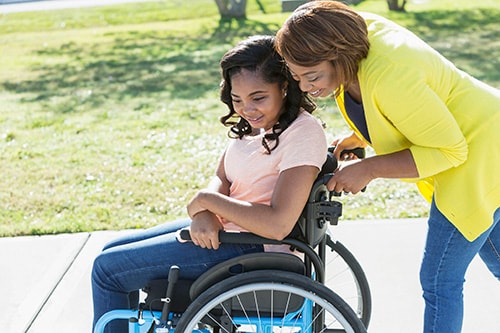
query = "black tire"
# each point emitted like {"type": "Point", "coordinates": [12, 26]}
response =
{"type": "Point", "coordinates": [266, 295]}
{"type": "Point", "coordinates": [346, 278]}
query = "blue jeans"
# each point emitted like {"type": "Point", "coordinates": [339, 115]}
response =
{"type": "Point", "coordinates": [442, 275]}
{"type": "Point", "coordinates": [127, 264]}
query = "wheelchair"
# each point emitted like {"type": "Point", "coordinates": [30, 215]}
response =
{"type": "Point", "coordinates": [325, 291]}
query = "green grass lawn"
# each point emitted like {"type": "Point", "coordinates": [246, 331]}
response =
{"type": "Point", "coordinates": [109, 115]}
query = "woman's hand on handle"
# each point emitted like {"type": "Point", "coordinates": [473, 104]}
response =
{"type": "Point", "coordinates": [347, 143]}
{"type": "Point", "coordinates": [354, 176]}
{"type": "Point", "coordinates": [350, 177]}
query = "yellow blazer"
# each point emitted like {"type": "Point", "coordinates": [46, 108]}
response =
{"type": "Point", "coordinates": [414, 98]}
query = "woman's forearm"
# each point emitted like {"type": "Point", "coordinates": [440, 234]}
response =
{"type": "Point", "coordinates": [353, 177]}
{"type": "Point", "coordinates": [396, 165]}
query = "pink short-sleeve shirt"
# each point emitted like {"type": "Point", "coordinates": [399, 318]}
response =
{"type": "Point", "coordinates": [253, 173]}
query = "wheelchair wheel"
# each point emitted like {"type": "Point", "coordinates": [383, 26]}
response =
{"type": "Point", "coordinates": [269, 301]}
{"type": "Point", "coordinates": [346, 278]}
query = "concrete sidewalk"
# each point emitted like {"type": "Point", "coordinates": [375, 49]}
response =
{"type": "Point", "coordinates": [45, 281]}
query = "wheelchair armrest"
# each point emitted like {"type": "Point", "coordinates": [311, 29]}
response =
{"type": "Point", "coordinates": [235, 238]}
{"type": "Point", "coordinates": [249, 238]}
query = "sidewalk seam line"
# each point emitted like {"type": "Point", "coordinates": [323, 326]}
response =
{"type": "Point", "coordinates": [42, 305]}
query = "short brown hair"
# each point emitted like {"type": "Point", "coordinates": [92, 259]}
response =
{"type": "Point", "coordinates": [325, 31]}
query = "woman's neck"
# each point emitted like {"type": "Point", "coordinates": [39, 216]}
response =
{"type": "Point", "coordinates": [355, 92]}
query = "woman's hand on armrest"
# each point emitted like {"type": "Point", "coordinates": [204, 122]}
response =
{"type": "Point", "coordinates": [205, 229]}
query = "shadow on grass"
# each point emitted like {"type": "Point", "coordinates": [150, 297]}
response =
{"type": "Point", "coordinates": [145, 66]}
{"type": "Point", "coordinates": [132, 65]}
{"type": "Point", "coordinates": [230, 30]}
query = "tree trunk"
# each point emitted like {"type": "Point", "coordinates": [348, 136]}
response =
{"type": "Point", "coordinates": [232, 8]}
{"type": "Point", "coordinates": [394, 5]}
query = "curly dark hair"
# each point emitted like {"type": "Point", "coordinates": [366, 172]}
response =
{"type": "Point", "coordinates": [257, 54]}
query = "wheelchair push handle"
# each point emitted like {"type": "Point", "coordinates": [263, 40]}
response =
{"type": "Point", "coordinates": [332, 164]}
{"type": "Point", "coordinates": [359, 152]}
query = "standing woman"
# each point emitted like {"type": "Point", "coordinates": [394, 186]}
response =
{"type": "Point", "coordinates": [425, 119]}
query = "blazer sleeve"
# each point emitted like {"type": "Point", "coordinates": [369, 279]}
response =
{"type": "Point", "coordinates": [417, 111]}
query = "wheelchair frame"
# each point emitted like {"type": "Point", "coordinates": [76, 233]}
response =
{"type": "Point", "coordinates": [310, 237]}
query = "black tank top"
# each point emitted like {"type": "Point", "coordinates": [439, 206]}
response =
{"type": "Point", "coordinates": [356, 113]}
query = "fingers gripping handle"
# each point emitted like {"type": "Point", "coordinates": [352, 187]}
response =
{"type": "Point", "coordinates": [332, 164]}
{"type": "Point", "coordinates": [359, 152]}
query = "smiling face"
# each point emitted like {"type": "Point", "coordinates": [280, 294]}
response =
{"type": "Point", "coordinates": [258, 102]}
{"type": "Point", "coordinates": [318, 80]}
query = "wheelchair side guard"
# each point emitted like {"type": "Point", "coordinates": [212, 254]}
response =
{"type": "Point", "coordinates": [247, 263]}
{"type": "Point", "coordinates": [156, 289]}
{"type": "Point", "coordinates": [187, 290]}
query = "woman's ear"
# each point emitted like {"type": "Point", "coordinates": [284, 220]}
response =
{"type": "Point", "coordinates": [284, 89]}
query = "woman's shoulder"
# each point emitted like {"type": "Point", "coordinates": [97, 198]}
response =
{"type": "Point", "coordinates": [393, 44]}
{"type": "Point", "coordinates": [395, 54]}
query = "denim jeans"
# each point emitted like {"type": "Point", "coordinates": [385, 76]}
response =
{"type": "Point", "coordinates": [442, 275]}
{"type": "Point", "coordinates": [127, 264]}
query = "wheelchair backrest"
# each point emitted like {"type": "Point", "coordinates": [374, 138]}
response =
{"type": "Point", "coordinates": [320, 210]}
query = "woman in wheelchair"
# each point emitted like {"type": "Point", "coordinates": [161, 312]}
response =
{"type": "Point", "coordinates": [261, 184]}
